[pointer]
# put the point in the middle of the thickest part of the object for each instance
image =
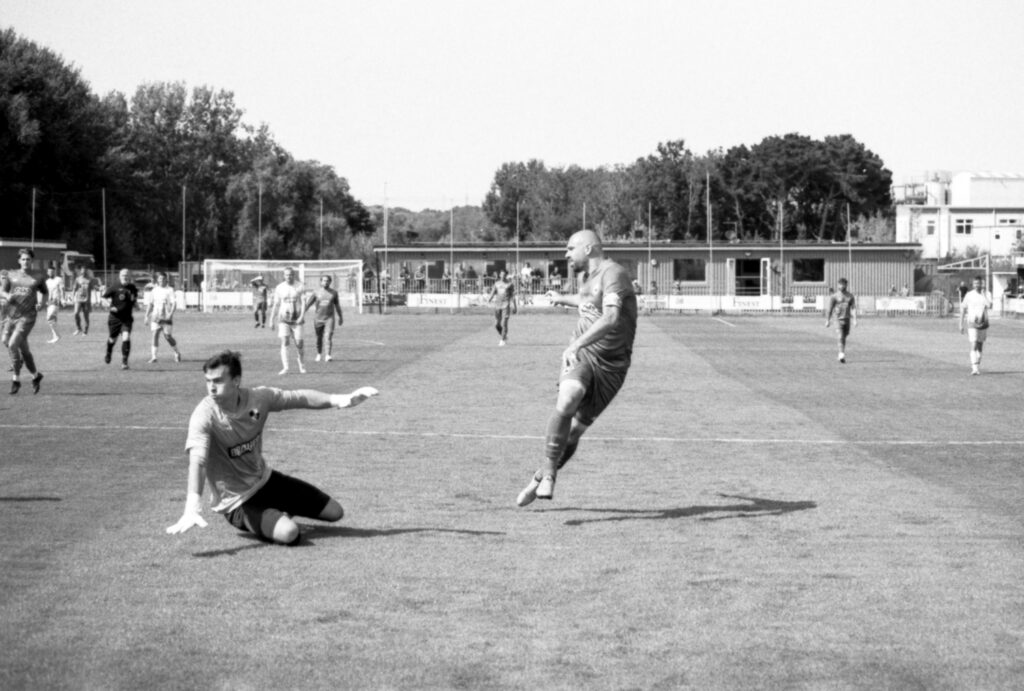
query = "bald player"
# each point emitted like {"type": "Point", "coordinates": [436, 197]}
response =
{"type": "Point", "coordinates": [594, 365]}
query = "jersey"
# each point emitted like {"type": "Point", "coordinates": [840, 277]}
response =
{"type": "Point", "coordinates": [976, 306]}
{"type": "Point", "coordinates": [608, 286]}
{"type": "Point", "coordinates": [123, 299]}
{"type": "Point", "coordinates": [163, 301]}
{"type": "Point", "coordinates": [841, 305]}
{"type": "Point", "coordinates": [232, 443]}
{"type": "Point", "coordinates": [288, 298]}
{"type": "Point", "coordinates": [259, 294]}
{"type": "Point", "coordinates": [24, 295]}
{"type": "Point", "coordinates": [54, 289]}
{"type": "Point", "coordinates": [504, 290]}
{"type": "Point", "coordinates": [327, 304]}
{"type": "Point", "coordinates": [83, 288]}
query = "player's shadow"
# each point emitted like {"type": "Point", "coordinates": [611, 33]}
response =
{"type": "Point", "coordinates": [29, 499]}
{"type": "Point", "coordinates": [752, 507]}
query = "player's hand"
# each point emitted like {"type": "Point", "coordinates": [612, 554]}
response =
{"type": "Point", "coordinates": [187, 520]}
{"type": "Point", "coordinates": [570, 358]}
{"type": "Point", "coordinates": [341, 400]}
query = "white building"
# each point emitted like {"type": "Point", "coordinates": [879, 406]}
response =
{"type": "Point", "coordinates": [949, 214]}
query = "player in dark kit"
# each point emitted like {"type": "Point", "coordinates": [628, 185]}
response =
{"type": "Point", "coordinates": [506, 292]}
{"type": "Point", "coordinates": [259, 301]}
{"type": "Point", "coordinates": [123, 298]}
{"type": "Point", "coordinates": [21, 289]}
{"type": "Point", "coordinates": [325, 299]}
{"type": "Point", "coordinates": [594, 365]}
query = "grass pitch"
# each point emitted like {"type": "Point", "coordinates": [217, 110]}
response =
{"type": "Point", "coordinates": [748, 513]}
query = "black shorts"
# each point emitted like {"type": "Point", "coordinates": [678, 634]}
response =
{"type": "Point", "coordinates": [116, 325]}
{"type": "Point", "coordinates": [282, 493]}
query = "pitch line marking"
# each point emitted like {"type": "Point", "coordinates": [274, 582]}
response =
{"type": "Point", "coordinates": [719, 319]}
{"type": "Point", "coordinates": [536, 437]}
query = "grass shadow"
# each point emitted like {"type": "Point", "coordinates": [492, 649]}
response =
{"type": "Point", "coordinates": [753, 507]}
{"type": "Point", "coordinates": [30, 498]}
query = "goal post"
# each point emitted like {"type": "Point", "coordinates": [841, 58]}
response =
{"type": "Point", "coordinates": [227, 283]}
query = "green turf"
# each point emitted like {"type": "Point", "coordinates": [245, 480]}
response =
{"type": "Point", "coordinates": [749, 513]}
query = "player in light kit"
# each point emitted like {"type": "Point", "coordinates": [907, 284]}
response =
{"type": "Point", "coordinates": [843, 306]}
{"type": "Point", "coordinates": [595, 364]}
{"type": "Point", "coordinates": [225, 447]}
{"type": "Point", "coordinates": [21, 290]}
{"type": "Point", "coordinates": [327, 305]}
{"type": "Point", "coordinates": [974, 317]}
{"type": "Point", "coordinates": [160, 315]}
{"type": "Point", "coordinates": [54, 299]}
{"type": "Point", "coordinates": [82, 297]}
{"type": "Point", "coordinates": [288, 313]}
{"type": "Point", "coordinates": [506, 292]}
{"type": "Point", "coordinates": [123, 297]}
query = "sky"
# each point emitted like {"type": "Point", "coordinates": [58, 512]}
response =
{"type": "Point", "coordinates": [417, 103]}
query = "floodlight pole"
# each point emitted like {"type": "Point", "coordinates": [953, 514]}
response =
{"type": "Point", "coordinates": [259, 224]}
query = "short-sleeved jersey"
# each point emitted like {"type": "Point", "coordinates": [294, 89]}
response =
{"type": "Point", "coordinates": [83, 288]}
{"type": "Point", "coordinates": [24, 294]}
{"type": "Point", "coordinates": [123, 299]}
{"type": "Point", "coordinates": [288, 298]}
{"type": "Point", "coordinates": [841, 305]}
{"type": "Point", "coordinates": [54, 290]}
{"type": "Point", "coordinates": [504, 290]}
{"type": "Point", "coordinates": [259, 293]}
{"type": "Point", "coordinates": [976, 306]}
{"type": "Point", "coordinates": [326, 303]}
{"type": "Point", "coordinates": [232, 443]}
{"type": "Point", "coordinates": [608, 286]}
{"type": "Point", "coordinates": [163, 301]}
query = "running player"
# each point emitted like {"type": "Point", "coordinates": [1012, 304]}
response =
{"type": "Point", "coordinates": [259, 301]}
{"type": "Point", "coordinates": [54, 299]}
{"type": "Point", "coordinates": [82, 297]}
{"type": "Point", "coordinates": [23, 287]}
{"type": "Point", "coordinates": [288, 313]}
{"type": "Point", "coordinates": [506, 292]}
{"type": "Point", "coordinates": [123, 298]}
{"type": "Point", "coordinates": [160, 315]}
{"type": "Point", "coordinates": [225, 447]}
{"type": "Point", "coordinates": [595, 364]}
{"type": "Point", "coordinates": [974, 317]}
{"type": "Point", "coordinates": [327, 305]}
{"type": "Point", "coordinates": [843, 306]}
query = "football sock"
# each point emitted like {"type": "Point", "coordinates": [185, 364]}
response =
{"type": "Point", "coordinates": [557, 436]}
{"type": "Point", "coordinates": [174, 343]}
{"type": "Point", "coordinates": [567, 453]}
{"type": "Point", "coordinates": [126, 349]}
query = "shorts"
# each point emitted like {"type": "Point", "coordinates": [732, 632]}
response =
{"type": "Point", "coordinates": [977, 335]}
{"type": "Point", "coordinates": [843, 327]}
{"type": "Point", "coordinates": [327, 326]}
{"type": "Point", "coordinates": [282, 493]}
{"type": "Point", "coordinates": [116, 326]}
{"type": "Point", "coordinates": [601, 385]}
{"type": "Point", "coordinates": [165, 324]}
{"type": "Point", "coordinates": [51, 312]}
{"type": "Point", "coordinates": [18, 329]}
{"type": "Point", "coordinates": [83, 307]}
{"type": "Point", "coordinates": [293, 331]}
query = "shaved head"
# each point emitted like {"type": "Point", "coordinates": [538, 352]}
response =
{"type": "Point", "coordinates": [583, 247]}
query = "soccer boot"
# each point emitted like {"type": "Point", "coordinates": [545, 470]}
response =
{"type": "Point", "coordinates": [317, 358]}
{"type": "Point", "coordinates": [124, 365]}
{"type": "Point", "coordinates": [15, 386]}
{"type": "Point", "coordinates": [177, 356]}
{"type": "Point", "coordinates": [529, 492]}
{"type": "Point", "coordinates": [36, 381]}
{"type": "Point", "coordinates": [546, 488]}
{"type": "Point", "coordinates": [106, 358]}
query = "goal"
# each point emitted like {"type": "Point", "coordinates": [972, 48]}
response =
{"type": "Point", "coordinates": [227, 283]}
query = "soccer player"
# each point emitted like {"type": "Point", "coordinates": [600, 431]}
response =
{"type": "Point", "coordinates": [21, 290]}
{"type": "Point", "coordinates": [843, 306]}
{"type": "Point", "coordinates": [259, 301]}
{"type": "Point", "coordinates": [974, 317]}
{"type": "Point", "coordinates": [54, 298]}
{"type": "Point", "coordinates": [327, 305]}
{"type": "Point", "coordinates": [595, 364]}
{"type": "Point", "coordinates": [123, 296]}
{"type": "Point", "coordinates": [506, 292]}
{"type": "Point", "coordinates": [82, 297]}
{"type": "Point", "coordinates": [160, 315]}
{"type": "Point", "coordinates": [288, 313]}
{"type": "Point", "coordinates": [225, 447]}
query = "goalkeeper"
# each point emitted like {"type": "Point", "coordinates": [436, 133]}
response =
{"type": "Point", "coordinates": [225, 446]}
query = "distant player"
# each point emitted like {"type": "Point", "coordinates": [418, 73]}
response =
{"type": "Point", "coordinates": [595, 364]}
{"type": "Point", "coordinates": [160, 314]}
{"type": "Point", "coordinates": [81, 296]}
{"type": "Point", "coordinates": [21, 290]}
{"type": "Point", "coordinates": [54, 299]}
{"type": "Point", "coordinates": [505, 290]}
{"type": "Point", "coordinates": [225, 447]}
{"type": "Point", "coordinates": [974, 310]}
{"type": "Point", "coordinates": [123, 296]}
{"type": "Point", "coordinates": [327, 305]}
{"type": "Point", "coordinates": [842, 305]}
{"type": "Point", "coordinates": [259, 301]}
{"type": "Point", "coordinates": [288, 314]}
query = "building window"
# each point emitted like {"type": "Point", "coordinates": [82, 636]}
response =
{"type": "Point", "coordinates": [689, 270]}
{"type": "Point", "coordinates": [1008, 221]}
{"type": "Point", "coordinates": [929, 228]}
{"type": "Point", "coordinates": [809, 270]}
{"type": "Point", "coordinates": [964, 226]}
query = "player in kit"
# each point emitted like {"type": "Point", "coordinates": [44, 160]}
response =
{"type": "Point", "coordinates": [289, 316]}
{"type": "Point", "coordinates": [974, 310]}
{"type": "Point", "coordinates": [21, 290]}
{"type": "Point", "coordinates": [506, 292]}
{"type": "Point", "coordinates": [259, 301]}
{"type": "Point", "coordinates": [327, 305]}
{"type": "Point", "coordinates": [160, 314]}
{"type": "Point", "coordinates": [843, 306]}
{"type": "Point", "coordinates": [123, 296]}
{"type": "Point", "coordinates": [54, 299]}
{"type": "Point", "coordinates": [225, 448]}
{"type": "Point", "coordinates": [595, 364]}
{"type": "Point", "coordinates": [82, 298]}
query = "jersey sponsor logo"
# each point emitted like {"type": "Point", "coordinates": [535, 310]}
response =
{"type": "Point", "coordinates": [244, 447]}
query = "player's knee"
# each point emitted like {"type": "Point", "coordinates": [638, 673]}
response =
{"type": "Point", "coordinates": [332, 512]}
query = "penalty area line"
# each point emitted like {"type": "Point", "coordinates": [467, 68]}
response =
{"type": "Point", "coordinates": [722, 321]}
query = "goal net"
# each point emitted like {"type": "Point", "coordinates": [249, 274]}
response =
{"type": "Point", "coordinates": [227, 283]}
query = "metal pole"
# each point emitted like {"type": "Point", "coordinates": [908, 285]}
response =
{"type": "Point", "coordinates": [183, 225]}
{"type": "Point", "coordinates": [33, 241]}
{"type": "Point", "coordinates": [103, 211]}
{"type": "Point", "coordinates": [259, 224]}
{"type": "Point", "coordinates": [321, 256]}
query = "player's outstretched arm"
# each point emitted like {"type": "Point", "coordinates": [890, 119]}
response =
{"type": "Point", "coordinates": [193, 498]}
{"type": "Point", "coordinates": [318, 400]}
